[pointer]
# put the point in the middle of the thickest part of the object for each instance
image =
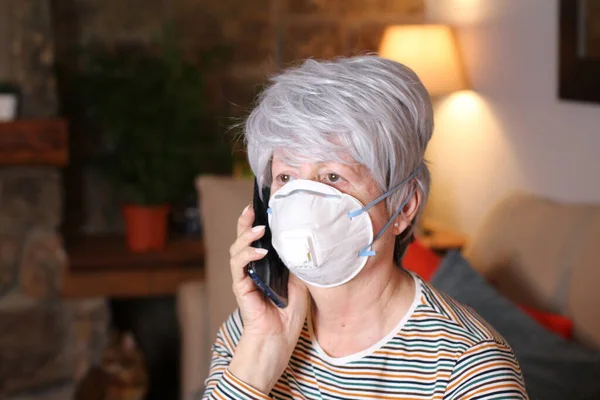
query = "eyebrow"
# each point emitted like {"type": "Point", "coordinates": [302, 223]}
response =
{"type": "Point", "coordinates": [354, 168]}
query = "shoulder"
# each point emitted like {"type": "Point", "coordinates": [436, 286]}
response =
{"type": "Point", "coordinates": [486, 370]}
{"type": "Point", "coordinates": [485, 365]}
{"type": "Point", "coordinates": [464, 323]}
{"type": "Point", "coordinates": [230, 332]}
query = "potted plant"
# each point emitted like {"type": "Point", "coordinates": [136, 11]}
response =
{"type": "Point", "coordinates": [150, 105]}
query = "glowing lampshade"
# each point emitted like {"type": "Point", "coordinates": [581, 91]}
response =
{"type": "Point", "coordinates": [429, 50]}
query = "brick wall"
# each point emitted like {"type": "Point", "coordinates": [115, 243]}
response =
{"type": "Point", "coordinates": [264, 35]}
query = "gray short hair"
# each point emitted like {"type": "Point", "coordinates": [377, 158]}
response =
{"type": "Point", "coordinates": [376, 109]}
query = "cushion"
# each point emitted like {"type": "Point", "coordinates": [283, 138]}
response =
{"type": "Point", "coordinates": [553, 368]}
{"type": "Point", "coordinates": [421, 260]}
{"type": "Point", "coordinates": [424, 261]}
{"type": "Point", "coordinates": [543, 253]}
{"type": "Point", "coordinates": [558, 324]}
{"type": "Point", "coordinates": [222, 200]}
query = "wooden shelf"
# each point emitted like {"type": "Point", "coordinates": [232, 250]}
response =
{"type": "Point", "coordinates": [102, 266]}
{"type": "Point", "coordinates": [34, 142]}
{"type": "Point", "coordinates": [439, 238]}
{"type": "Point", "coordinates": [109, 252]}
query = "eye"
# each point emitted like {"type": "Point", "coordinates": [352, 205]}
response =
{"type": "Point", "coordinates": [283, 178]}
{"type": "Point", "coordinates": [333, 178]}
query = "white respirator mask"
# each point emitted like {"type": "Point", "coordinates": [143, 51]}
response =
{"type": "Point", "coordinates": [322, 235]}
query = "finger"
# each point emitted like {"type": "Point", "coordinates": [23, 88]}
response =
{"type": "Point", "coordinates": [246, 238]}
{"type": "Point", "coordinates": [245, 220]}
{"type": "Point", "coordinates": [241, 259]}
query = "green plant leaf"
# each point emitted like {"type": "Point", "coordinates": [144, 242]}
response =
{"type": "Point", "coordinates": [151, 105]}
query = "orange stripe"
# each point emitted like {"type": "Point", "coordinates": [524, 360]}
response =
{"type": "Point", "coordinates": [365, 373]}
{"type": "Point", "coordinates": [494, 388]}
{"type": "Point", "coordinates": [430, 314]}
{"type": "Point", "coordinates": [210, 386]}
{"type": "Point", "coordinates": [451, 312]}
{"type": "Point", "coordinates": [470, 372]}
{"type": "Point", "coordinates": [228, 339]}
{"type": "Point", "coordinates": [243, 384]}
{"type": "Point", "coordinates": [221, 343]}
{"type": "Point", "coordinates": [281, 388]}
{"type": "Point", "coordinates": [216, 369]}
{"type": "Point", "coordinates": [483, 346]}
{"type": "Point", "coordinates": [466, 313]}
{"type": "Point", "coordinates": [481, 326]}
{"type": "Point", "coordinates": [435, 335]}
{"type": "Point", "coordinates": [416, 356]}
{"type": "Point", "coordinates": [362, 394]}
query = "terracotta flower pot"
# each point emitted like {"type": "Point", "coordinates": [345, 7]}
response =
{"type": "Point", "coordinates": [145, 227]}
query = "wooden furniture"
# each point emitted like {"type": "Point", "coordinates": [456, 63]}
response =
{"type": "Point", "coordinates": [439, 238]}
{"type": "Point", "coordinates": [103, 266]}
{"type": "Point", "coordinates": [34, 142]}
{"type": "Point", "coordinates": [100, 265]}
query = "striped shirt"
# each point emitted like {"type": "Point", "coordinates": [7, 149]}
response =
{"type": "Point", "coordinates": [439, 350]}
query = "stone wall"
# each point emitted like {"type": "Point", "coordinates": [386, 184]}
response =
{"type": "Point", "coordinates": [32, 57]}
{"type": "Point", "coordinates": [46, 343]}
{"type": "Point", "coordinates": [4, 41]}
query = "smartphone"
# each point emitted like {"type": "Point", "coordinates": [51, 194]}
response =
{"type": "Point", "coordinates": [269, 273]}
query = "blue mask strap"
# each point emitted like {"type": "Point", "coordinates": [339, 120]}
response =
{"type": "Point", "coordinates": [369, 252]}
{"type": "Point", "coordinates": [366, 208]}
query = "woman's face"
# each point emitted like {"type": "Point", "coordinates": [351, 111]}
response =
{"type": "Point", "coordinates": [351, 178]}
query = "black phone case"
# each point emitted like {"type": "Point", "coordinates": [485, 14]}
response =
{"type": "Point", "coordinates": [269, 273]}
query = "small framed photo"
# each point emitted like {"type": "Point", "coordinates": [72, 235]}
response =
{"type": "Point", "coordinates": [579, 50]}
{"type": "Point", "coordinates": [10, 99]}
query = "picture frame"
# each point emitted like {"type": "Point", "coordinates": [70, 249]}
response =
{"type": "Point", "coordinates": [579, 50]}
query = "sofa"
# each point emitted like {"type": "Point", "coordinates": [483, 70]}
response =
{"type": "Point", "coordinates": [536, 251]}
{"type": "Point", "coordinates": [203, 306]}
{"type": "Point", "coordinates": [542, 253]}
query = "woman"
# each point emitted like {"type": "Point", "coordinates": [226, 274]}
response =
{"type": "Point", "coordinates": [341, 144]}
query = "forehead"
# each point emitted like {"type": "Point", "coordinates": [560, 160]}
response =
{"type": "Point", "coordinates": [294, 159]}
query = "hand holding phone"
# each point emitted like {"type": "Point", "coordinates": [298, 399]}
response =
{"type": "Point", "coordinates": [269, 273]}
{"type": "Point", "coordinates": [270, 332]}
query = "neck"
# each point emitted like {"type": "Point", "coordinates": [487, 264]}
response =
{"type": "Point", "coordinates": [370, 305]}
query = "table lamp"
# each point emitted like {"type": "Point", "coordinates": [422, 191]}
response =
{"type": "Point", "coordinates": [429, 50]}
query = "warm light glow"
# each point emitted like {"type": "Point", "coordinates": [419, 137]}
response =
{"type": "Point", "coordinates": [462, 12]}
{"type": "Point", "coordinates": [468, 154]}
{"type": "Point", "coordinates": [463, 104]}
{"type": "Point", "coordinates": [430, 51]}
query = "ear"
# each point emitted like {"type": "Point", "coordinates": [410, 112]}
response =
{"type": "Point", "coordinates": [408, 214]}
{"type": "Point", "coordinates": [128, 343]}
